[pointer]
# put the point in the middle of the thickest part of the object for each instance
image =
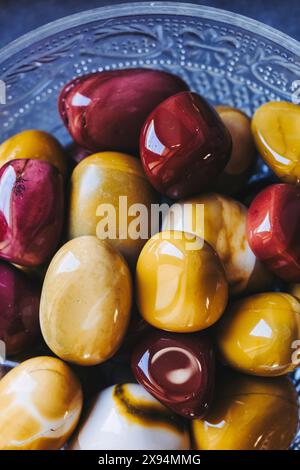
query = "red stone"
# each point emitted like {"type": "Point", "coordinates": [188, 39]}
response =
{"type": "Point", "coordinates": [177, 369]}
{"type": "Point", "coordinates": [31, 211]}
{"type": "Point", "coordinates": [106, 110]}
{"type": "Point", "coordinates": [273, 230]}
{"type": "Point", "coordinates": [184, 145]}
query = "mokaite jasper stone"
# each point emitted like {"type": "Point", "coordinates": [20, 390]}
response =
{"type": "Point", "coordinates": [249, 413]}
{"type": "Point", "coordinates": [127, 417]}
{"type": "Point", "coordinates": [178, 370]}
{"type": "Point", "coordinates": [184, 145]}
{"type": "Point", "coordinates": [40, 405]}
{"type": "Point", "coordinates": [86, 301]}
{"type": "Point", "coordinates": [106, 110]}
{"type": "Point", "coordinates": [180, 283]}
{"type": "Point", "coordinates": [35, 144]}
{"type": "Point", "coordinates": [19, 309]}
{"type": "Point", "coordinates": [31, 211]}
{"type": "Point", "coordinates": [275, 127]}
{"type": "Point", "coordinates": [258, 334]}
{"type": "Point", "coordinates": [273, 227]}
{"type": "Point", "coordinates": [105, 189]}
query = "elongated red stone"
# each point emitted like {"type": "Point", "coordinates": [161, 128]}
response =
{"type": "Point", "coordinates": [106, 110]}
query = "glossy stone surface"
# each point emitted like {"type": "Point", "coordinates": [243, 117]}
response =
{"type": "Point", "coordinates": [127, 417]}
{"type": "Point", "coordinates": [221, 221]}
{"type": "Point", "coordinates": [180, 283]}
{"type": "Point", "coordinates": [176, 369]}
{"type": "Point", "coordinates": [243, 155]}
{"type": "Point", "coordinates": [31, 211]}
{"type": "Point", "coordinates": [184, 145]}
{"type": "Point", "coordinates": [117, 180]}
{"type": "Point", "coordinates": [273, 226]}
{"type": "Point", "coordinates": [86, 301]}
{"type": "Point", "coordinates": [40, 405]}
{"type": "Point", "coordinates": [106, 110]}
{"type": "Point", "coordinates": [19, 309]}
{"type": "Point", "coordinates": [256, 335]}
{"type": "Point", "coordinates": [34, 144]}
{"type": "Point", "coordinates": [249, 413]}
{"type": "Point", "coordinates": [275, 128]}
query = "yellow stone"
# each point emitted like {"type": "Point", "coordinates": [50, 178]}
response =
{"type": "Point", "coordinates": [249, 413]}
{"type": "Point", "coordinates": [34, 144]}
{"type": "Point", "coordinates": [180, 283]}
{"type": "Point", "coordinates": [276, 130]}
{"type": "Point", "coordinates": [257, 334]}
{"type": "Point", "coordinates": [86, 301]}
{"type": "Point", "coordinates": [100, 180]}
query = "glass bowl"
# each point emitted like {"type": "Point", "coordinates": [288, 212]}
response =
{"type": "Point", "coordinates": [226, 57]}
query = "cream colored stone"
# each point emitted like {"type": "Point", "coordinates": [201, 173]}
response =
{"type": "Point", "coordinates": [40, 405]}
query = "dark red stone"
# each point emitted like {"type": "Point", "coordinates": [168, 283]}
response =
{"type": "Point", "coordinates": [177, 369]}
{"type": "Point", "coordinates": [273, 230]}
{"type": "Point", "coordinates": [19, 309]}
{"type": "Point", "coordinates": [184, 145]}
{"type": "Point", "coordinates": [31, 211]}
{"type": "Point", "coordinates": [106, 110]}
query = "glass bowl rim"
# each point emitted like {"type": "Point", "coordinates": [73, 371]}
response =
{"type": "Point", "coordinates": [147, 8]}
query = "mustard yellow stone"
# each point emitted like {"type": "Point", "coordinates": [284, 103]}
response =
{"type": "Point", "coordinates": [221, 221]}
{"type": "Point", "coordinates": [249, 413]}
{"type": "Point", "coordinates": [116, 180]}
{"type": "Point", "coordinates": [180, 283]}
{"type": "Point", "coordinates": [38, 145]}
{"type": "Point", "coordinates": [40, 405]}
{"type": "Point", "coordinates": [257, 335]}
{"type": "Point", "coordinates": [86, 301]}
{"type": "Point", "coordinates": [243, 154]}
{"type": "Point", "coordinates": [275, 127]}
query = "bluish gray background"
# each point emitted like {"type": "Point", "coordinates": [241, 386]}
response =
{"type": "Point", "coordinates": [20, 16]}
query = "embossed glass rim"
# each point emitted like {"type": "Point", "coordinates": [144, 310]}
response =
{"type": "Point", "coordinates": [147, 8]}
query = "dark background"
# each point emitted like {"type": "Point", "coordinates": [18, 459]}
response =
{"type": "Point", "coordinates": [20, 16]}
